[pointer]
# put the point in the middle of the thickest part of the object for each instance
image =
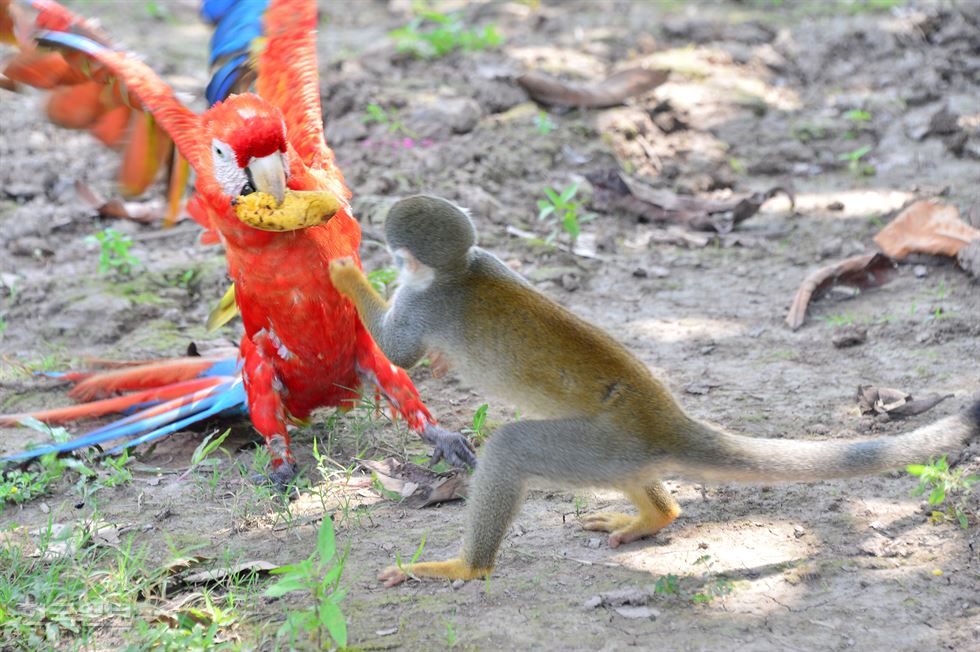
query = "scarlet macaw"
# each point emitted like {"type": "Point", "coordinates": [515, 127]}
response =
{"type": "Point", "coordinates": [304, 346]}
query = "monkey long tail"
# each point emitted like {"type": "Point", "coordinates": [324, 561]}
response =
{"type": "Point", "coordinates": [715, 455]}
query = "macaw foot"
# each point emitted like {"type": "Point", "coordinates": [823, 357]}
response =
{"type": "Point", "coordinates": [450, 446]}
{"type": "Point", "coordinates": [279, 476]}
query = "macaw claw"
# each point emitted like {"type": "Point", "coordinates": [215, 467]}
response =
{"type": "Point", "coordinates": [450, 446]}
{"type": "Point", "coordinates": [279, 477]}
{"type": "Point", "coordinates": [299, 209]}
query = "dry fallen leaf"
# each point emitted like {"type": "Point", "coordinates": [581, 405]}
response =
{"type": "Point", "coordinates": [417, 485]}
{"type": "Point", "coordinates": [257, 567]}
{"type": "Point", "coordinates": [894, 402]}
{"type": "Point", "coordinates": [147, 212]}
{"type": "Point", "coordinates": [616, 192]}
{"type": "Point", "coordinates": [609, 92]}
{"type": "Point", "coordinates": [864, 271]}
{"type": "Point", "coordinates": [927, 227]}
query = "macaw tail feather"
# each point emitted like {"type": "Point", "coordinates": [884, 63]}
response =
{"type": "Point", "coordinates": [149, 376]}
{"type": "Point", "coordinates": [173, 395]}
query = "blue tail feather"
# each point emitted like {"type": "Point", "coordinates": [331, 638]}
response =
{"type": "Point", "coordinates": [227, 397]}
{"type": "Point", "coordinates": [232, 399]}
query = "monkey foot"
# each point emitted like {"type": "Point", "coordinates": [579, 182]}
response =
{"type": "Point", "coordinates": [624, 528]}
{"type": "Point", "coordinates": [279, 476]}
{"type": "Point", "coordinates": [451, 569]}
{"type": "Point", "coordinates": [392, 576]}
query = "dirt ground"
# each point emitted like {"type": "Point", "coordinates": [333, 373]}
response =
{"type": "Point", "coordinates": [759, 95]}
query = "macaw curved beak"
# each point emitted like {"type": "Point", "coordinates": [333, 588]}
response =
{"type": "Point", "coordinates": [267, 175]}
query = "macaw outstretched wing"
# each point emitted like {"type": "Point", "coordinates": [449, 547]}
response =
{"type": "Point", "coordinates": [81, 98]}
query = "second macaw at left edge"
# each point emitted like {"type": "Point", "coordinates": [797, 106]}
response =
{"type": "Point", "coordinates": [304, 346]}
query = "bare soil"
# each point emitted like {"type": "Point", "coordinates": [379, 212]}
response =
{"type": "Point", "coordinates": [757, 96]}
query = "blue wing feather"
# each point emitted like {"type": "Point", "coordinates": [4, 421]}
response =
{"type": "Point", "coordinates": [238, 23]}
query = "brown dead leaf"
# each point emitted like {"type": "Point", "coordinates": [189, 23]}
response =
{"type": "Point", "coordinates": [418, 486]}
{"type": "Point", "coordinates": [894, 402]}
{"type": "Point", "coordinates": [214, 575]}
{"type": "Point", "coordinates": [147, 212]}
{"type": "Point", "coordinates": [616, 192]}
{"type": "Point", "coordinates": [864, 271]}
{"type": "Point", "coordinates": [927, 227]}
{"type": "Point", "coordinates": [612, 91]}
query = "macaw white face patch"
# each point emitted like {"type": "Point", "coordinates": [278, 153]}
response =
{"type": "Point", "coordinates": [230, 177]}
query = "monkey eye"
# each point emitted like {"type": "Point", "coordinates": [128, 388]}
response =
{"type": "Point", "coordinates": [247, 189]}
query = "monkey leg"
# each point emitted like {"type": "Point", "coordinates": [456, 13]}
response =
{"type": "Point", "coordinates": [567, 451]}
{"type": "Point", "coordinates": [656, 509]}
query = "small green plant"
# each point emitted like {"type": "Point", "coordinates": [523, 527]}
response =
{"type": "Point", "coordinates": [857, 115]}
{"type": "Point", "coordinates": [375, 113]}
{"type": "Point", "coordinates": [945, 486]}
{"type": "Point", "coordinates": [415, 555]}
{"type": "Point", "coordinates": [318, 575]}
{"type": "Point", "coordinates": [855, 164]}
{"type": "Point", "coordinates": [479, 428]}
{"type": "Point", "coordinates": [430, 35]}
{"type": "Point", "coordinates": [720, 586]}
{"type": "Point", "coordinates": [114, 251]}
{"type": "Point", "coordinates": [382, 280]}
{"type": "Point", "coordinates": [837, 321]}
{"type": "Point", "coordinates": [667, 585]}
{"type": "Point", "coordinates": [543, 123]}
{"type": "Point", "coordinates": [808, 131]}
{"type": "Point", "coordinates": [452, 639]}
{"type": "Point", "coordinates": [561, 209]}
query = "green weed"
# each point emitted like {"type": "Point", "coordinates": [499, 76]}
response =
{"type": "Point", "coordinates": [560, 209]}
{"type": "Point", "coordinates": [375, 113]}
{"type": "Point", "coordinates": [543, 123]}
{"type": "Point", "coordinates": [383, 279]}
{"type": "Point", "coordinates": [319, 576]}
{"type": "Point", "coordinates": [945, 486]}
{"type": "Point", "coordinates": [479, 427]}
{"type": "Point", "coordinates": [430, 35]}
{"type": "Point", "coordinates": [114, 252]}
{"type": "Point", "coordinates": [855, 164]}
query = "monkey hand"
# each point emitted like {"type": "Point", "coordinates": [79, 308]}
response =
{"type": "Point", "coordinates": [450, 446]}
{"type": "Point", "coordinates": [451, 569]}
{"type": "Point", "coordinates": [345, 275]}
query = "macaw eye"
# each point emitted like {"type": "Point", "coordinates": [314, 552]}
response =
{"type": "Point", "coordinates": [219, 152]}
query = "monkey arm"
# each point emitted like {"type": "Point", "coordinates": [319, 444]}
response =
{"type": "Point", "coordinates": [400, 343]}
{"type": "Point", "coordinates": [402, 350]}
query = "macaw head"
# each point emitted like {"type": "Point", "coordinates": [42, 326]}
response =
{"type": "Point", "coordinates": [248, 146]}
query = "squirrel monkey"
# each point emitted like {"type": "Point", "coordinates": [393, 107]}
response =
{"type": "Point", "coordinates": [606, 421]}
